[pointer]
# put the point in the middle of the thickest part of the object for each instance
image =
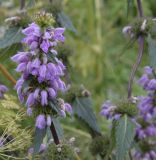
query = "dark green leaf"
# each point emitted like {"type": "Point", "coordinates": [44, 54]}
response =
{"type": "Point", "coordinates": [152, 51]}
{"type": "Point", "coordinates": [7, 52]}
{"type": "Point", "coordinates": [55, 107]}
{"type": "Point", "coordinates": [124, 136]}
{"type": "Point", "coordinates": [12, 35]}
{"type": "Point", "coordinates": [82, 109]}
{"type": "Point", "coordinates": [58, 127]}
{"type": "Point", "coordinates": [66, 22]}
{"type": "Point", "coordinates": [39, 135]}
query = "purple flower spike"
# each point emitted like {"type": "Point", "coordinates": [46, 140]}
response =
{"type": "Point", "coordinates": [44, 98]}
{"type": "Point", "coordinates": [40, 121]}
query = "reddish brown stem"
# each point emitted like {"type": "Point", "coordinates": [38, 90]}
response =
{"type": "Point", "coordinates": [7, 74]}
{"type": "Point", "coordinates": [54, 133]}
{"type": "Point", "coordinates": [140, 53]}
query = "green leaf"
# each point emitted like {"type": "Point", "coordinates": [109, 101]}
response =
{"type": "Point", "coordinates": [7, 52]}
{"type": "Point", "coordinates": [12, 35]}
{"type": "Point", "coordinates": [82, 109]}
{"type": "Point", "coordinates": [58, 127]}
{"type": "Point", "coordinates": [38, 139]}
{"type": "Point", "coordinates": [152, 50]}
{"type": "Point", "coordinates": [66, 22]}
{"type": "Point", "coordinates": [124, 136]}
{"type": "Point", "coordinates": [55, 107]}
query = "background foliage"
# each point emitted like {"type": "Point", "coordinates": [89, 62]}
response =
{"type": "Point", "coordinates": [101, 58]}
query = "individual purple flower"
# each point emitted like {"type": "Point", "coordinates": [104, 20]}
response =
{"type": "Point", "coordinates": [148, 70]}
{"type": "Point", "coordinates": [68, 108]}
{"type": "Point", "coordinates": [36, 93]}
{"type": "Point", "coordinates": [30, 100]}
{"type": "Point", "coordinates": [20, 94]}
{"type": "Point", "coordinates": [3, 89]}
{"type": "Point", "coordinates": [21, 67]}
{"type": "Point", "coordinates": [152, 84]}
{"type": "Point", "coordinates": [44, 98]}
{"type": "Point", "coordinates": [40, 121]}
{"type": "Point", "coordinates": [143, 81]}
{"type": "Point", "coordinates": [58, 34]}
{"type": "Point", "coordinates": [42, 71]}
{"type": "Point", "coordinates": [52, 68]}
{"type": "Point", "coordinates": [33, 29]}
{"type": "Point", "coordinates": [43, 147]}
{"type": "Point", "coordinates": [34, 45]}
{"type": "Point", "coordinates": [29, 111]}
{"type": "Point", "coordinates": [36, 63]}
{"type": "Point", "coordinates": [62, 113]}
{"type": "Point", "coordinates": [45, 46]}
{"type": "Point", "coordinates": [51, 92]}
{"type": "Point", "coordinates": [20, 57]}
{"type": "Point", "coordinates": [48, 120]}
{"type": "Point", "coordinates": [53, 51]}
{"type": "Point", "coordinates": [108, 110]}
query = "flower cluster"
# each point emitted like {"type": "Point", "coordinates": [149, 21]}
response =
{"type": "Point", "coordinates": [146, 127]}
{"type": "Point", "coordinates": [147, 156]}
{"type": "Point", "coordinates": [3, 89]}
{"type": "Point", "coordinates": [41, 72]}
{"type": "Point", "coordinates": [108, 111]}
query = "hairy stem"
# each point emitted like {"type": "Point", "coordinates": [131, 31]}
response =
{"type": "Point", "coordinates": [140, 10]}
{"type": "Point", "coordinates": [54, 133]}
{"type": "Point", "coordinates": [140, 53]}
{"type": "Point", "coordinates": [136, 65]}
{"type": "Point", "coordinates": [7, 74]}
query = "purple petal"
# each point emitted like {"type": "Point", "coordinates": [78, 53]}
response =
{"type": "Point", "coordinates": [44, 98]}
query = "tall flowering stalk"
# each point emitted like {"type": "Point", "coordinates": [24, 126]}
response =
{"type": "Point", "coordinates": [41, 73]}
{"type": "Point", "coordinates": [146, 128]}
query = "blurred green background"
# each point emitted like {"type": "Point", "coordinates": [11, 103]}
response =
{"type": "Point", "coordinates": [100, 57]}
